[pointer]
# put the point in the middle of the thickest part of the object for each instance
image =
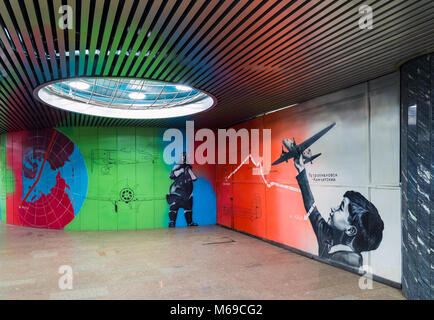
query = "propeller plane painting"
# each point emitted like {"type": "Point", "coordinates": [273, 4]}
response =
{"type": "Point", "coordinates": [294, 150]}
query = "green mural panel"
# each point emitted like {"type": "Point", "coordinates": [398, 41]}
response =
{"type": "Point", "coordinates": [74, 135]}
{"type": "Point", "coordinates": [86, 139]}
{"type": "Point", "coordinates": [127, 178]}
{"type": "Point", "coordinates": [3, 175]}
{"type": "Point", "coordinates": [125, 182]}
{"type": "Point", "coordinates": [145, 218]}
{"type": "Point", "coordinates": [161, 210]}
{"type": "Point", "coordinates": [106, 165]}
{"type": "Point", "coordinates": [145, 157]}
{"type": "Point", "coordinates": [161, 169]}
{"type": "Point", "coordinates": [127, 186]}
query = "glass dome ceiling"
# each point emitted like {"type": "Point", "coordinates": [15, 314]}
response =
{"type": "Point", "coordinates": [124, 97]}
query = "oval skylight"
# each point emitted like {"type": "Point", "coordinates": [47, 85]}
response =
{"type": "Point", "coordinates": [124, 97]}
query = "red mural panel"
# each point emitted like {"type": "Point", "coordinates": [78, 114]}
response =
{"type": "Point", "coordinates": [249, 208]}
{"type": "Point", "coordinates": [15, 163]}
{"type": "Point", "coordinates": [35, 157]}
{"type": "Point", "coordinates": [245, 173]}
{"type": "Point", "coordinates": [317, 197]}
{"type": "Point", "coordinates": [285, 220]}
{"type": "Point", "coordinates": [285, 209]}
{"type": "Point", "coordinates": [52, 211]}
{"type": "Point", "coordinates": [267, 204]}
{"type": "Point", "coordinates": [224, 203]}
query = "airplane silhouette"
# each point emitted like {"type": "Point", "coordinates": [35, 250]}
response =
{"type": "Point", "coordinates": [295, 150]}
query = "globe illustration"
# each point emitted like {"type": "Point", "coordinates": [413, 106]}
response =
{"type": "Point", "coordinates": [54, 179]}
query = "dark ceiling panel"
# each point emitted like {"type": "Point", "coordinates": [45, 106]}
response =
{"type": "Point", "coordinates": [253, 56]}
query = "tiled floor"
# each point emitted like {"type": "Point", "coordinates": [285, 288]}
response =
{"type": "Point", "coordinates": [186, 263]}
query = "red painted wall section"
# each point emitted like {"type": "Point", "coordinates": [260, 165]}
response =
{"type": "Point", "coordinates": [284, 208]}
{"type": "Point", "coordinates": [247, 204]}
{"type": "Point", "coordinates": [14, 148]}
{"type": "Point", "coordinates": [350, 140]}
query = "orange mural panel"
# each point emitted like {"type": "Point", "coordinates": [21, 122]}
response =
{"type": "Point", "coordinates": [244, 172]}
{"type": "Point", "coordinates": [224, 204]}
{"type": "Point", "coordinates": [249, 208]}
{"type": "Point", "coordinates": [285, 220]}
{"type": "Point", "coordinates": [282, 123]}
{"type": "Point", "coordinates": [14, 162]}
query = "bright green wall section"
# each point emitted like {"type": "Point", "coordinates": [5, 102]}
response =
{"type": "Point", "coordinates": [119, 158]}
{"type": "Point", "coordinates": [3, 177]}
{"type": "Point", "coordinates": [7, 180]}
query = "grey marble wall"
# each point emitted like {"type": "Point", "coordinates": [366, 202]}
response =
{"type": "Point", "coordinates": [417, 168]}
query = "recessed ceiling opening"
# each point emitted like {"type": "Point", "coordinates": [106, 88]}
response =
{"type": "Point", "coordinates": [124, 98]}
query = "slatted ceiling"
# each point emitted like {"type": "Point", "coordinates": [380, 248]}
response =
{"type": "Point", "coordinates": [271, 67]}
{"type": "Point", "coordinates": [253, 56]}
{"type": "Point", "coordinates": [341, 64]}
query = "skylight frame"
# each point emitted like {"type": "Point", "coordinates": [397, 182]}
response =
{"type": "Point", "coordinates": [174, 103]}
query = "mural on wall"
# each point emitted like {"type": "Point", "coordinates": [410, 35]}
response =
{"type": "Point", "coordinates": [352, 227]}
{"type": "Point", "coordinates": [181, 192]}
{"type": "Point", "coordinates": [94, 179]}
{"type": "Point", "coordinates": [51, 179]}
{"type": "Point", "coordinates": [334, 194]}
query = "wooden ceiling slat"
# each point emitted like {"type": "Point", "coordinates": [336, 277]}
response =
{"type": "Point", "coordinates": [174, 38]}
{"type": "Point", "coordinates": [154, 32]}
{"type": "Point", "coordinates": [130, 35]}
{"type": "Point", "coordinates": [12, 100]}
{"type": "Point", "coordinates": [271, 49]}
{"type": "Point", "coordinates": [308, 60]}
{"type": "Point", "coordinates": [15, 39]}
{"type": "Point", "coordinates": [186, 40]}
{"type": "Point", "coordinates": [144, 29]}
{"type": "Point", "coordinates": [107, 29]}
{"type": "Point", "coordinates": [218, 27]}
{"type": "Point", "coordinates": [208, 21]}
{"type": "Point", "coordinates": [14, 64]}
{"type": "Point", "coordinates": [48, 33]}
{"type": "Point", "coordinates": [18, 83]}
{"type": "Point", "coordinates": [247, 30]}
{"type": "Point", "coordinates": [31, 12]}
{"type": "Point", "coordinates": [217, 35]}
{"type": "Point", "coordinates": [84, 21]}
{"type": "Point", "coordinates": [60, 33]}
{"type": "Point", "coordinates": [324, 66]}
{"type": "Point", "coordinates": [296, 10]}
{"type": "Point", "coordinates": [252, 55]}
{"type": "Point", "coordinates": [96, 25]}
{"type": "Point", "coordinates": [163, 35]}
{"type": "Point", "coordinates": [24, 34]}
{"type": "Point", "coordinates": [370, 60]}
{"type": "Point", "coordinates": [71, 38]}
{"type": "Point", "coordinates": [120, 28]}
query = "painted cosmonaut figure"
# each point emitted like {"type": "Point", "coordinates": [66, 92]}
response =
{"type": "Point", "coordinates": [181, 192]}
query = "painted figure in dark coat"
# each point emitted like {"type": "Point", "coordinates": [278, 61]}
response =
{"type": "Point", "coordinates": [353, 227]}
{"type": "Point", "coordinates": [181, 192]}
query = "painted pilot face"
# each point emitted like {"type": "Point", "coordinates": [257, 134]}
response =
{"type": "Point", "coordinates": [339, 215]}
